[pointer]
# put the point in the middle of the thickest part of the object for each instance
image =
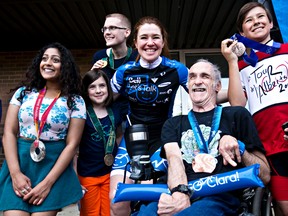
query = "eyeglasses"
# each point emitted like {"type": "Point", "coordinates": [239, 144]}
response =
{"type": "Point", "coordinates": [111, 28]}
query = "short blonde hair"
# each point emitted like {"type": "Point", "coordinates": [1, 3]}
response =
{"type": "Point", "coordinates": [126, 22]}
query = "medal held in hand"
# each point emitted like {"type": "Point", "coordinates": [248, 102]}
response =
{"type": "Point", "coordinates": [105, 62]}
{"type": "Point", "coordinates": [37, 151]}
{"type": "Point", "coordinates": [239, 49]}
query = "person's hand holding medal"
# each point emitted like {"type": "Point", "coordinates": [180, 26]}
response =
{"type": "Point", "coordinates": [232, 49]}
{"type": "Point", "coordinates": [239, 49]}
{"type": "Point", "coordinates": [100, 64]}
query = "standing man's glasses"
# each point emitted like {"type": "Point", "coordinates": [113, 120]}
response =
{"type": "Point", "coordinates": [111, 28]}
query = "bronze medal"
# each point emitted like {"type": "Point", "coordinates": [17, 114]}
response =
{"type": "Point", "coordinates": [239, 49]}
{"type": "Point", "coordinates": [108, 159]}
{"type": "Point", "coordinates": [37, 151]}
{"type": "Point", "coordinates": [204, 163]}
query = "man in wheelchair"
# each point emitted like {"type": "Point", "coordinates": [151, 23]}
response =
{"type": "Point", "coordinates": [208, 141]}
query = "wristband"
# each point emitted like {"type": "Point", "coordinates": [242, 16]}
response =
{"type": "Point", "coordinates": [241, 147]}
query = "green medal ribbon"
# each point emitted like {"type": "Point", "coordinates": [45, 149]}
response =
{"type": "Point", "coordinates": [109, 145]}
{"type": "Point", "coordinates": [111, 59]}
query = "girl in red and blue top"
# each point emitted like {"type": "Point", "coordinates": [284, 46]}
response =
{"type": "Point", "coordinates": [264, 78]}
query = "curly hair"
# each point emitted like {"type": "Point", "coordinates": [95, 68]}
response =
{"type": "Point", "coordinates": [70, 78]}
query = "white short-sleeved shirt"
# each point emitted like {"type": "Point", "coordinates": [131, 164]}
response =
{"type": "Point", "coordinates": [58, 119]}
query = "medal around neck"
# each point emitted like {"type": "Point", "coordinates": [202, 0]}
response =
{"type": "Point", "coordinates": [37, 151]}
{"type": "Point", "coordinates": [239, 49]}
{"type": "Point", "coordinates": [108, 159]}
{"type": "Point", "coordinates": [204, 163]}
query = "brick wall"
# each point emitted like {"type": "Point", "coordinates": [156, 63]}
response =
{"type": "Point", "coordinates": [13, 66]}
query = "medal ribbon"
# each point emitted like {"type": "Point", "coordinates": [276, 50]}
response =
{"type": "Point", "coordinates": [111, 59]}
{"type": "Point", "coordinates": [98, 127]}
{"type": "Point", "coordinates": [204, 145]}
{"type": "Point", "coordinates": [36, 113]}
{"type": "Point", "coordinates": [253, 58]}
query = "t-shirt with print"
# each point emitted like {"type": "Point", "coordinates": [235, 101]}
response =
{"type": "Point", "coordinates": [266, 87]}
{"type": "Point", "coordinates": [58, 119]}
{"type": "Point", "coordinates": [235, 121]}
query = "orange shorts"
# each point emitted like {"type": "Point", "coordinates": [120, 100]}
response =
{"type": "Point", "coordinates": [96, 200]}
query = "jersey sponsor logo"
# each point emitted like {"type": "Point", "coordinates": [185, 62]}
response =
{"type": "Point", "coordinates": [134, 79]}
{"type": "Point", "coordinates": [162, 85]}
{"type": "Point", "coordinates": [154, 79]}
{"type": "Point", "coordinates": [141, 90]}
{"type": "Point", "coordinates": [166, 100]}
{"type": "Point", "coordinates": [121, 159]}
{"type": "Point", "coordinates": [169, 91]}
{"type": "Point", "coordinates": [147, 93]}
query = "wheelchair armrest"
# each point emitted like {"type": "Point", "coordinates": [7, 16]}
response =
{"type": "Point", "coordinates": [262, 202]}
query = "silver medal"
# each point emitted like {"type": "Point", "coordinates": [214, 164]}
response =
{"type": "Point", "coordinates": [239, 49]}
{"type": "Point", "coordinates": [37, 151]}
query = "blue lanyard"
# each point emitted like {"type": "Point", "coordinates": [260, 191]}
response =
{"type": "Point", "coordinates": [203, 145]}
{"type": "Point", "coordinates": [253, 58]}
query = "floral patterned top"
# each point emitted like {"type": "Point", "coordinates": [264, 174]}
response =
{"type": "Point", "coordinates": [58, 119]}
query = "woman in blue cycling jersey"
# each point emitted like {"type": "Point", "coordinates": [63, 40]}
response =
{"type": "Point", "coordinates": [150, 84]}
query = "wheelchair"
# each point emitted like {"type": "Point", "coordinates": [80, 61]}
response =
{"type": "Point", "coordinates": [256, 202]}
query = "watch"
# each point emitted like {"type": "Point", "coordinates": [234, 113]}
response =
{"type": "Point", "coordinates": [182, 189]}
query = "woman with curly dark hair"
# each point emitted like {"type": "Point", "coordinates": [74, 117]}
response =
{"type": "Point", "coordinates": [42, 131]}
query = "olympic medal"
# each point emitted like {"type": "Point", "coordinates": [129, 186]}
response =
{"type": "Point", "coordinates": [104, 63]}
{"type": "Point", "coordinates": [239, 49]}
{"type": "Point", "coordinates": [37, 151]}
{"type": "Point", "coordinates": [204, 163]}
{"type": "Point", "coordinates": [108, 159]}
